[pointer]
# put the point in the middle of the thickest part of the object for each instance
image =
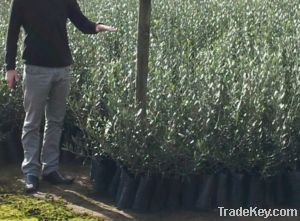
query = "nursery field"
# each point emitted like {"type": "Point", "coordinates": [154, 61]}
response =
{"type": "Point", "coordinates": [223, 89]}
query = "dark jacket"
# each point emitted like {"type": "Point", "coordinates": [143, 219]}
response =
{"type": "Point", "coordinates": [46, 39]}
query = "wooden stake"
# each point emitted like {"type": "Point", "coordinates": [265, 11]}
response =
{"type": "Point", "coordinates": [143, 55]}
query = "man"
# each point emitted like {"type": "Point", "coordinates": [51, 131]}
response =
{"type": "Point", "coordinates": [47, 58]}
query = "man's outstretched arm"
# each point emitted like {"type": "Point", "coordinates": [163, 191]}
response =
{"type": "Point", "coordinates": [83, 23]}
{"type": "Point", "coordinates": [11, 43]}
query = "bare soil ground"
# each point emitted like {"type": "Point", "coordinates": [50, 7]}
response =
{"type": "Point", "coordinates": [80, 198]}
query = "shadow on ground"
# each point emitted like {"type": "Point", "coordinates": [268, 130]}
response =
{"type": "Point", "coordinates": [80, 198]}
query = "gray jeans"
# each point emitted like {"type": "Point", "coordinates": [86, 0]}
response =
{"type": "Point", "coordinates": [45, 93]}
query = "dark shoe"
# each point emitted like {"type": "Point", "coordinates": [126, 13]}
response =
{"type": "Point", "coordinates": [56, 178]}
{"type": "Point", "coordinates": [31, 183]}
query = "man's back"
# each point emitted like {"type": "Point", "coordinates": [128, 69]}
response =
{"type": "Point", "coordinates": [46, 39]}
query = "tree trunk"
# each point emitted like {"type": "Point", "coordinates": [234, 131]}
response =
{"type": "Point", "coordinates": [143, 55]}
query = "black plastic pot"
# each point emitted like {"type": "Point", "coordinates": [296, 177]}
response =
{"type": "Point", "coordinates": [3, 153]}
{"type": "Point", "coordinates": [14, 148]}
{"type": "Point", "coordinates": [127, 190]}
{"type": "Point", "coordinates": [114, 184]}
{"type": "Point", "coordinates": [222, 194]}
{"type": "Point", "coordinates": [271, 192]}
{"type": "Point", "coordinates": [67, 156]}
{"type": "Point", "coordinates": [160, 194]}
{"type": "Point", "coordinates": [256, 192]}
{"type": "Point", "coordinates": [144, 193]}
{"type": "Point", "coordinates": [237, 190]}
{"type": "Point", "coordinates": [293, 189]}
{"type": "Point", "coordinates": [174, 193]}
{"type": "Point", "coordinates": [282, 190]}
{"type": "Point", "coordinates": [122, 179]}
{"type": "Point", "coordinates": [92, 171]}
{"type": "Point", "coordinates": [189, 191]}
{"type": "Point", "coordinates": [207, 193]}
{"type": "Point", "coordinates": [103, 170]}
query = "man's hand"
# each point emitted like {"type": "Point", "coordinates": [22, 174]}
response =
{"type": "Point", "coordinates": [11, 77]}
{"type": "Point", "coordinates": [102, 28]}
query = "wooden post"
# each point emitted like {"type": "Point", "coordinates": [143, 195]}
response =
{"type": "Point", "coordinates": [143, 55]}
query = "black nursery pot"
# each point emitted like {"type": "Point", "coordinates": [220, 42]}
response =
{"type": "Point", "coordinates": [207, 193]}
{"type": "Point", "coordinates": [14, 150]}
{"type": "Point", "coordinates": [114, 184]}
{"type": "Point", "coordinates": [189, 191]}
{"type": "Point", "coordinates": [160, 194]}
{"type": "Point", "coordinates": [273, 192]}
{"type": "Point", "coordinates": [256, 192]}
{"type": "Point", "coordinates": [175, 188]}
{"type": "Point", "coordinates": [127, 190]}
{"type": "Point", "coordinates": [144, 193]}
{"type": "Point", "coordinates": [293, 189]}
{"type": "Point", "coordinates": [3, 153]}
{"type": "Point", "coordinates": [282, 190]}
{"type": "Point", "coordinates": [222, 193]}
{"type": "Point", "coordinates": [102, 172]}
{"type": "Point", "coordinates": [237, 190]}
{"type": "Point", "coordinates": [69, 157]}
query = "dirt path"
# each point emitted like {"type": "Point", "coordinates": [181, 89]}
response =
{"type": "Point", "coordinates": [80, 198]}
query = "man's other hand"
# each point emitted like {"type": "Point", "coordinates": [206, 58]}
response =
{"type": "Point", "coordinates": [11, 77]}
{"type": "Point", "coordinates": [102, 28]}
